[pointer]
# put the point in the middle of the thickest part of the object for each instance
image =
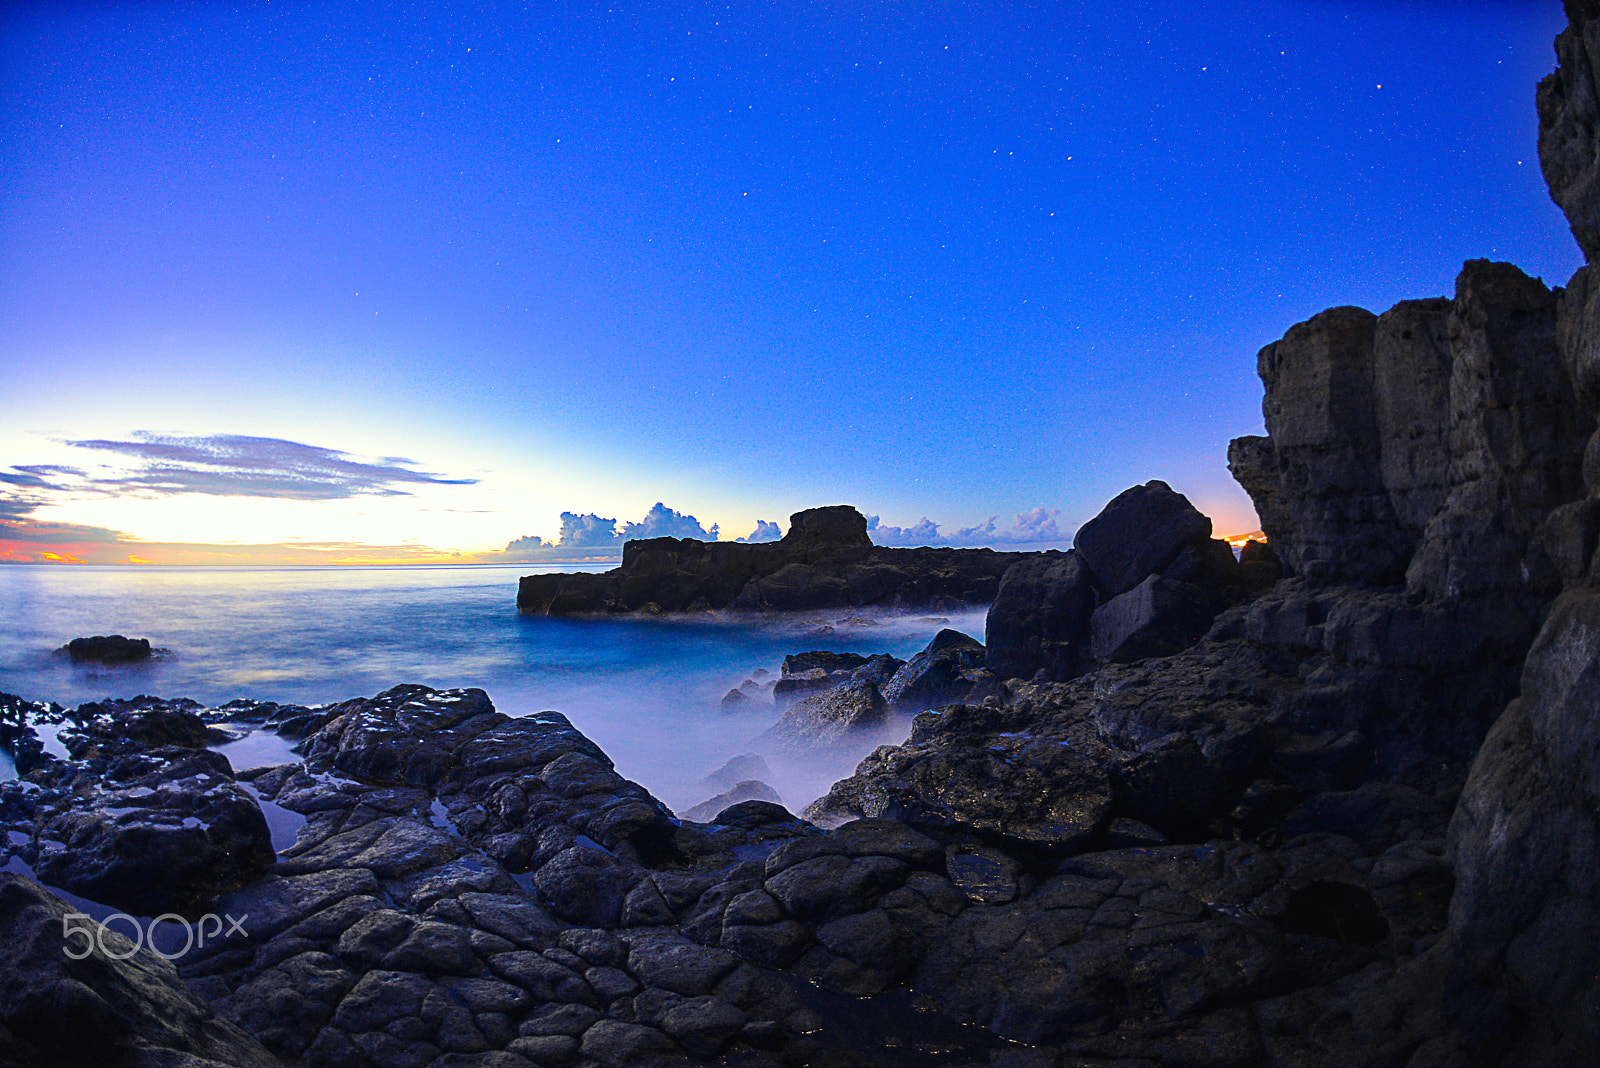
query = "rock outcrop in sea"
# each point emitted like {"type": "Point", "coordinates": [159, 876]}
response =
{"type": "Point", "coordinates": [1331, 803]}
{"type": "Point", "coordinates": [826, 560]}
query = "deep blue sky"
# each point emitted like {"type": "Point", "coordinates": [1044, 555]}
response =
{"type": "Point", "coordinates": [942, 260]}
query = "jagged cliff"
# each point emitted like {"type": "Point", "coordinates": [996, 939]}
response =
{"type": "Point", "coordinates": [1525, 837]}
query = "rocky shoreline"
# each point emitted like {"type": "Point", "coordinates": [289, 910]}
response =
{"type": "Point", "coordinates": [1331, 803]}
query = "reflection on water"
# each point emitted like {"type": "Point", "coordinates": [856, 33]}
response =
{"type": "Point", "coordinates": [259, 749]}
{"type": "Point", "coordinates": [648, 691]}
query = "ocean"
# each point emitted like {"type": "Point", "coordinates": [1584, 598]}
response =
{"type": "Point", "coordinates": [648, 691]}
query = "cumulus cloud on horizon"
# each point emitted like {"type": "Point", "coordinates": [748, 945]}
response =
{"type": "Point", "coordinates": [765, 531]}
{"type": "Point", "coordinates": [597, 533]}
{"type": "Point", "coordinates": [1037, 526]}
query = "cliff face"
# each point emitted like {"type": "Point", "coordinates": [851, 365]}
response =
{"type": "Point", "coordinates": [825, 561]}
{"type": "Point", "coordinates": [1526, 835]}
{"type": "Point", "coordinates": [1423, 446]}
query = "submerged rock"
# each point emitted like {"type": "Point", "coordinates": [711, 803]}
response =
{"type": "Point", "coordinates": [107, 649]}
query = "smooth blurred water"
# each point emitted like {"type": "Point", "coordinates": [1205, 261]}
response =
{"type": "Point", "coordinates": [648, 691]}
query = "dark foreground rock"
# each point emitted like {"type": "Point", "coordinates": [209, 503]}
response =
{"type": "Point", "coordinates": [826, 560]}
{"type": "Point", "coordinates": [62, 1012]}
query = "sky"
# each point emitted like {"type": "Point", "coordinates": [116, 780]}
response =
{"type": "Point", "coordinates": [301, 282]}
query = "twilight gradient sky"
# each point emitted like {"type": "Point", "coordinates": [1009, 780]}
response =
{"type": "Point", "coordinates": [299, 281]}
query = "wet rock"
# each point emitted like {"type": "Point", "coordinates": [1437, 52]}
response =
{"type": "Point", "coordinates": [117, 727]}
{"type": "Point", "coordinates": [669, 961]}
{"type": "Point", "coordinates": [405, 735]}
{"type": "Point", "coordinates": [938, 675]}
{"type": "Point", "coordinates": [829, 719]}
{"type": "Point", "coordinates": [987, 876]}
{"type": "Point", "coordinates": [585, 886]}
{"type": "Point", "coordinates": [164, 832]}
{"type": "Point", "coordinates": [17, 736]}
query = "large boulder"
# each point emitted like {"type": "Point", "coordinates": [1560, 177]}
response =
{"type": "Point", "coordinates": [938, 675]}
{"type": "Point", "coordinates": [162, 832]}
{"type": "Point", "coordinates": [1320, 416]}
{"type": "Point", "coordinates": [1039, 620]}
{"type": "Point", "coordinates": [1158, 617]}
{"type": "Point", "coordinates": [1139, 533]}
{"type": "Point", "coordinates": [830, 719]}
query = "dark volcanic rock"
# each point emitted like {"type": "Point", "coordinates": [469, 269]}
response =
{"type": "Point", "coordinates": [1524, 836]}
{"type": "Point", "coordinates": [826, 560]}
{"type": "Point", "coordinates": [1158, 617]}
{"type": "Point", "coordinates": [830, 718]}
{"type": "Point", "coordinates": [108, 649]}
{"type": "Point", "coordinates": [1425, 445]}
{"type": "Point", "coordinates": [55, 1010]}
{"type": "Point", "coordinates": [17, 736]}
{"type": "Point", "coordinates": [940, 674]}
{"type": "Point", "coordinates": [1039, 620]}
{"type": "Point", "coordinates": [1029, 792]}
{"type": "Point", "coordinates": [749, 790]}
{"type": "Point", "coordinates": [1253, 463]}
{"type": "Point", "coordinates": [114, 727]}
{"type": "Point", "coordinates": [1139, 533]}
{"type": "Point", "coordinates": [1568, 152]}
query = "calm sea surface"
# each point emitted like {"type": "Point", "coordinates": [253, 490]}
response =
{"type": "Point", "coordinates": [648, 691]}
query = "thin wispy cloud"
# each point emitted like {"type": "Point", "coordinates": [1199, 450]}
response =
{"type": "Point", "coordinates": [232, 465]}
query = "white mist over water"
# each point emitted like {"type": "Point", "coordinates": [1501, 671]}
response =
{"type": "Point", "coordinates": [647, 691]}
